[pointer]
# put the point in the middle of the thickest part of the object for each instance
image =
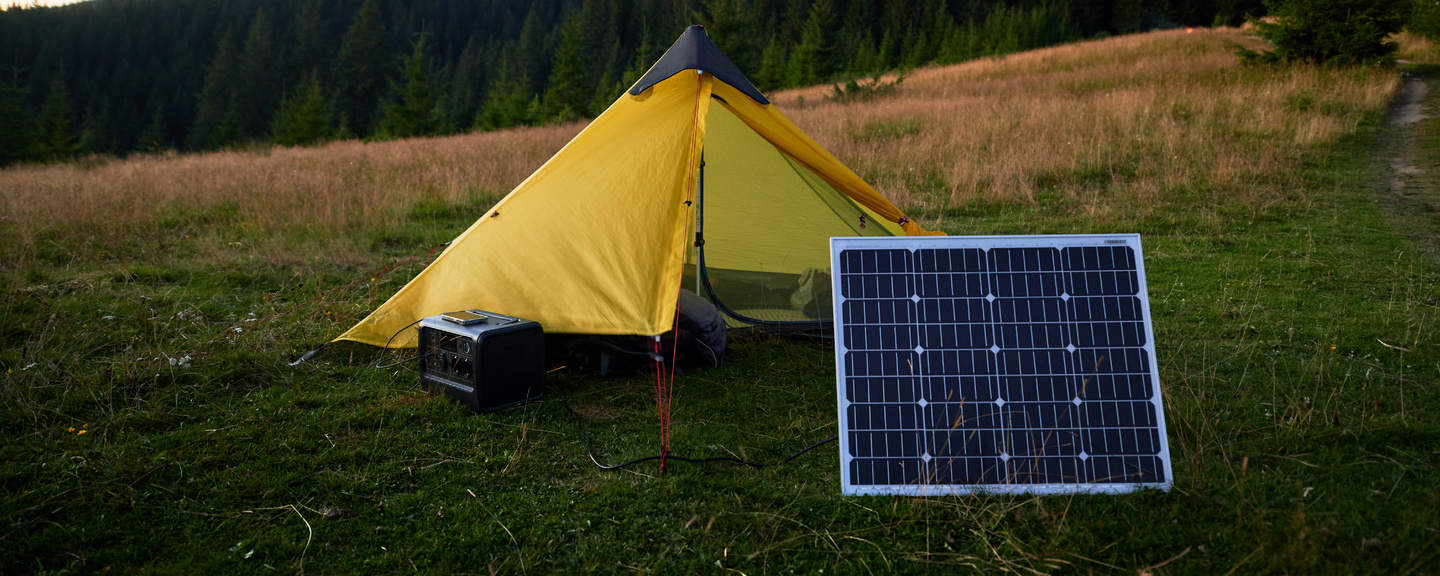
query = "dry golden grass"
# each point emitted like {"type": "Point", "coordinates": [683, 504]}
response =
{"type": "Point", "coordinates": [340, 185]}
{"type": "Point", "coordinates": [1417, 48]}
{"type": "Point", "coordinates": [1114, 127]}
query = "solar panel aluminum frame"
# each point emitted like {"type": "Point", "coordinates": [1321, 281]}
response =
{"type": "Point", "coordinates": [987, 243]}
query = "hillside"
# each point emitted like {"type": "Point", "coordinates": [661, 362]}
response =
{"type": "Point", "coordinates": [126, 76]}
{"type": "Point", "coordinates": [1111, 128]}
{"type": "Point", "coordinates": [150, 422]}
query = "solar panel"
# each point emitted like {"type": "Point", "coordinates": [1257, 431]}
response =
{"type": "Point", "coordinates": [996, 364]}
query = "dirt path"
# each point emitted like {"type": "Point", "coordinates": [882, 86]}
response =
{"type": "Point", "coordinates": [1408, 151]}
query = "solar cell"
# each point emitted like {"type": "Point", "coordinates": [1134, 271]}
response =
{"type": "Point", "coordinates": [997, 364]}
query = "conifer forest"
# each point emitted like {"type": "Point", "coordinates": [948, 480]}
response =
{"type": "Point", "coordinates": [116, 77]}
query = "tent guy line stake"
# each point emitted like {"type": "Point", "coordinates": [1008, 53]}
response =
{"type": "Point", "coordinates": [662, 408]}
{"type": "Point", "coordinates": [670, 386]}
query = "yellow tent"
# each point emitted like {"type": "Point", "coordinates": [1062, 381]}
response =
{"type": "Point", "coordinates": [601, 238]}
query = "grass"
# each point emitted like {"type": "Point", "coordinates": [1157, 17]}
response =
{"type": "Point", "coordinates": [1112, 128]}
{"type": "Point", "coordinates": [1295, 325]}
{"type": "Point", "coordinates": [286, 197]}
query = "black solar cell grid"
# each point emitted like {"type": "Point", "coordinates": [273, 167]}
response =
{"type": "Point", "coordinates": [1001, 363]}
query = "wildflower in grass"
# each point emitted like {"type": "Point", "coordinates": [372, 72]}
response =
{"type": "Point", "coordinates": [80, 432]}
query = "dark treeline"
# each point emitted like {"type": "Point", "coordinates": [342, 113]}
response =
{"type": "Point", "coordinates": [118, 76]}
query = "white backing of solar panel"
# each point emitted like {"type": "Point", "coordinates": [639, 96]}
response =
{"type": "Point", "coordinates": [987, 243]}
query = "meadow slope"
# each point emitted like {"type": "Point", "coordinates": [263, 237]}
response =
{"type": "Point", "coordinates": [150, 422]}
{"type": "Point", "coordinates": [1109, 128]}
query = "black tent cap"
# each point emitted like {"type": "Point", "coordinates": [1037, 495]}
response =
{"type": "Point", "coordinates": [695, 51]}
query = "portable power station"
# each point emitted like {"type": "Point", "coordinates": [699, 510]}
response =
{"type": "Point", "coordinates": [488, 361]}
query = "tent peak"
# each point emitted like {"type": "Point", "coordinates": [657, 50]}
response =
{"type": "Point", "coordinates": [695, 51]}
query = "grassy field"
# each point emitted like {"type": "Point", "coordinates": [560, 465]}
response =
{"type": "Point", "coordinates": [150, 423]}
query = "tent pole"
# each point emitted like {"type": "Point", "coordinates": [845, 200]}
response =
{"type": "Point", "coordinates": [700, 227]}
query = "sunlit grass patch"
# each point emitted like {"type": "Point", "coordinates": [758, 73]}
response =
{"type": "Point", "coordinates": [1151, 113]}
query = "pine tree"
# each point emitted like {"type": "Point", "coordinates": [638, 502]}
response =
{"type": "Point", "coordinates": [209, 130]}
{"type": "Point", "coordinates": [342, 130]}
{"type": "Point", "coordinates": [792, 26]}
{"type": "Point", "coordinates": [466, 81]}
{"type": "Point", "coordinates": [1090, 16]}
{"type": "Point", "coordinates": [153, 139]}
{"type": "Point", "coordinates": [887, 53]}
{"type": "Point", "coordinates": [56, 129]}
{"type": "Point", "coordinates": [1128, 16]}
{"type": "Point", "coordinates": [532, 52]}
{"type": "Point", "coordinates": [1334, 32]}
{"type": "Point", "coordinates": [364, 66]}
{"type": "Point", "coordinates": [1425, 20]}
{"type": "Point", "coordinates": [734, 26]}
{"type": "Point", "coordinates": [961, 44]}
{"type": "Point", "coordinates": [810, 59]}
{"type": "Point", "coordinates": [773, 74]}
{"type": "Point", "coordinates": [1000, 35]}
{"type": "Point", "coordinates": [258, 85]}
{"type": "Point", "coordinates": [314, 42]}
{"type": "Point", "coordinates": [579, 65]}
{"type": "Point", "coordinates": [933, 30]}
{"type": "Point", "coordinates": [16, 135]}
{"type": "Point", "coordinates": [304, 116]}
{"type": "Point", "coordinates": [414, 114]}
{"type": "Point", "coordinates": [228, 132]}
{"type": "Point", "coordinates": [854, 34]}
{"type": "Point", "coordinates": [602, 96]}
{"type": "Point", "coordinates": [509, 101]}
{"type": "Point", "coordinates": [567, 92]}
{"type": "Point", "coordinates": [898, 17]}
{"type": "Point", "coordinates": [866, 60]}
{"type": "Point", "coordinates": [639, 63]}
{"type": "Point", "coordinates": [915, 52]}
{"type": "Point", "coordinates": [95, 135]}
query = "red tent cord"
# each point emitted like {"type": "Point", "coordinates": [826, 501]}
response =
{"type": "Point", "coordinates": [661, 408]}
{"type": "Point", "coordinates": [665, 386]}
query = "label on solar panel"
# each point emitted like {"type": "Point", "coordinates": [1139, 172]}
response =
{"type": "Point", "coordinates": [996, 364]}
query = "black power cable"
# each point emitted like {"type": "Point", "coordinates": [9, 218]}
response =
{"type": "Point", "coordinates": [590, 448]}
{"type": "Point", "coordinates": [380, 367]}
